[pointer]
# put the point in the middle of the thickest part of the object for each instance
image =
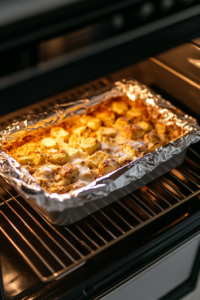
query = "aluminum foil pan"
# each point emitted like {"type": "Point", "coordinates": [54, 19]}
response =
{"type": "Point", "coordinates": [27, 186]}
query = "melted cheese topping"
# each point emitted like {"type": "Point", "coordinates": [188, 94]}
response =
{"type": "Point", "coordinates": [83, 148]}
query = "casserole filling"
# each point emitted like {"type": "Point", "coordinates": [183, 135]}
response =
{"type": "Point", "coordinates": [86, 147]}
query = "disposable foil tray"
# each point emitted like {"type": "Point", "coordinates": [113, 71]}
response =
{"type": "Point", "coordinates": [69, 208]}
{"type": "Point", "coordinates": [73, 214]}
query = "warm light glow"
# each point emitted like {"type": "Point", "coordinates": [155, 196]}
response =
{"type": "Point", "coordinates": [13, 281]}
{"type": "Point", "coordinates": [195, 62]}
{"type": "Point", "coordinates": [131, 96]}
{"type": "Point", "coordinates": [150, 101]}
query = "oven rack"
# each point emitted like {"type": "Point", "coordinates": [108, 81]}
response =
{"type": "Point", "coordinates": [54, 251]}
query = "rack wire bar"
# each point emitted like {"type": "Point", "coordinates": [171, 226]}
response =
{"type": "Point", "coordinates": [54, 251]}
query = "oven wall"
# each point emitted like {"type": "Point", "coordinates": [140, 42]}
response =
{"type": "Point", "coordinates": [179, 81]}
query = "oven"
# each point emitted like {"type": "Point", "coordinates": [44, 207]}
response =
{"type": "Point", "coordinates": [145, 245]}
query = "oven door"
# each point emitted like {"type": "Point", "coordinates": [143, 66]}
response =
{"type": "Point", "coordinates": [166, 278]}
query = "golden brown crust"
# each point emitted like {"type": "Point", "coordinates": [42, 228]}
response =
{"type": "Point", "coordinates": [121, 122]}
{"type": "Point", "coordinates": [107, 117]}
{"type": "Point", "coordinates": [152, 137]}
{"type": "Point", "coordinates": [132, 132]}
{"type": "Point", "coordinates": [107, 166]}
{"type": "Point", "coordinates": [59, 157]}
{"type": "Point", "coordinates": [68, 170]}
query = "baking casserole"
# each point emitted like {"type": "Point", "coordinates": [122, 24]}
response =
{"type": "Point", "coordinates": [86, 147]}
{"type": "Point", "coordinates": [112, 156]}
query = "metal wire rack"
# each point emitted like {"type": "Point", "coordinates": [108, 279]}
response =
{"type": "Point", "coordinates": [53, 252]}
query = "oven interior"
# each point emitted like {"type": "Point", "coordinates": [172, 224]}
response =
{"type": "Point", "coordinates": [43, 261]}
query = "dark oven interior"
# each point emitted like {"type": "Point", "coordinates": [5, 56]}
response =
{"type": "Point", "coordinates": [34, 251]}
{"type": "Point", "coordinates": [98, 254]}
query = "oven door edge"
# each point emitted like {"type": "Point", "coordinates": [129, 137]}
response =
{"type": "Point", "coordinates": [181, 290]}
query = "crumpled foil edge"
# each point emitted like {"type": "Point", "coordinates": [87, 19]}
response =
{"type": "Point", "coordinates": [27, 186]}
